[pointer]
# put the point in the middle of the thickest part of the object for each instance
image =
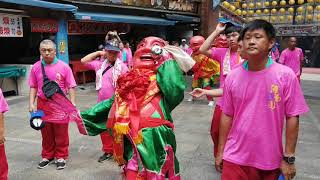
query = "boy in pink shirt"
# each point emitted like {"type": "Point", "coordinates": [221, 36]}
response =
{"type": "Point", "coordinates": [3, 159]}
{"type": "Point", "coordinates": [55, 137]}
{"type": "Point", "coordinates": [228, 59]}
{"type": "Point", "coordinates": [292, 57]}
{"type": "Point", "coordinates": [258, 97]}
{"type": "Point", "coordinates": [108, 68]}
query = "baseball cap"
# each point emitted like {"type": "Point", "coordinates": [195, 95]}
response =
{"type": "Point", "coordinates": [228, 22]}
{"type": "Point", "coordinates": [112, 45]}
{"type": "Point", "coordinates": [183, 40]}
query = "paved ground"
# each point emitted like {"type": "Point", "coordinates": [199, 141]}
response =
{"type": "Point", "coordinates": [192, 122]}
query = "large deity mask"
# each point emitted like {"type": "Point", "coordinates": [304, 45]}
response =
{"type": "Point", "coordinates": [195, 43]}
{"type": "Point", "coordinates": [150, 53]}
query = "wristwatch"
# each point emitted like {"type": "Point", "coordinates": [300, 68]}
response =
{"type": "Point", "coordinates": [289, 159]}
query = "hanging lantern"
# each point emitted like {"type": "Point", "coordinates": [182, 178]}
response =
{"type": "Point", "coordinates": [238, 12]}
{"type": "Point", "coordinates": [318, 1]}
{"type": "Point", "coordinates": [281, 18]}
{"type": "Point", "coordinates": [282, 10]}
{"type": "Point", "coordinates": [318, 8]}
{"type": "Point", "coordinates": [267, 3]}
{"type": "Point", "coordinates": [310, 1]}
{"type": "Point", "coordinates": [291, 2]}
{"type": "Point", "coordinates": [283, 2]}
{"type": "Point", "coordinates": [309, 17]}
{"type": "Point", "coordinates": [226, 4]}
{"type": "Point", "coordinates": [258, 11]}
{"type": "Point", "coordinates": [289, 17]}
{"type": "Point", "coordinates": [309, 8]}
{"type": "Point", "coordinates": [273, 19]}
{"type": "Point", "coordinates": [244, 13]}
{"type": "Point", "coordinates": [291, 10]}
{"type": "Point", "coordinates": [237, 4]}
{"type": "Point", "coordinates": [258, 5]}
{"type": "Point", "coordinates": [318, 17]}
{"type": "Point", "coordinates": [274, 3]}
{"type": "Point", "coordinates": [250, 12]}
{"type": "Point", "coordinates": [251, 5]}
{"type": "Point", "coordinates": [238, 0]}
{"type": "Point", "coordinates": [300, 9]}
{"type": "Point", "coordinates": [299, 18]}
{"type": "Point", "coordinates": [232, 8]}
{"type": "Point", "coordinates": [244, 6]}
{"type": "Point", "coordinates": [273, 11]}
{"type": "Point", "coordinates": [266, 11]}
{"type": "Point", "coordinates": [300, 1]}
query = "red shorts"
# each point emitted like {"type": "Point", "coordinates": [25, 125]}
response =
{"type": "Point", "coordinates": [231, 171]}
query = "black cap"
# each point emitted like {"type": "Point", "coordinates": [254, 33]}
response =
{"type": "Point", "coordinates": [112, 45]}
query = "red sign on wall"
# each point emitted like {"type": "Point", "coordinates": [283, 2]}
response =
{"type": "Point", "coordinates": [78, 28]}
{"type": "Point", "coordinates": [44, 25]}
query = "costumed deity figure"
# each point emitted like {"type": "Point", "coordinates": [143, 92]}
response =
{"type": "Point", "coordinates": [140, 111]}
{"type": "Point", "coordinates": [206, 70]}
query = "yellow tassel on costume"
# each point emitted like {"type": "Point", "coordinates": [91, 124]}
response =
{"type": "Point", "coordinates": [138, 139]}
{"type": "Point", "coordinates": [153, 77]}
{"type": "Point", "coordinates": [121, 128]}
{"type": "Point", "coordinates": [118, 138]}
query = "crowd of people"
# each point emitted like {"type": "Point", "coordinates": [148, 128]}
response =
{"type": "Point", "coordinates": [257, 89]}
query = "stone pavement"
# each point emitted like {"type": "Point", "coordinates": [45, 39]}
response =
{"type": "Point", "coordinates": [194, 146]}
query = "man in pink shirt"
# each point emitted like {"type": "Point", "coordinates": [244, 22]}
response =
{"type": "Point", "coordinates": [108, 68]}
{"type": "Point", "coordinates": [292, 57]}
{"type": "Point", "coordinates": [228, 59]}
{"type": "Point", "coordinates": [129, 54]}
{"type": "Point", "coordinates": [3, 159]}
{"type": "Point", "coordinates": [55, 137]}
{"type": "Point", "coordinates": [259, 98]}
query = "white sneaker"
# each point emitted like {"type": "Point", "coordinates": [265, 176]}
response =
{"type": "Point", "coordinates": [211, 103]}
{"type": "Point", "coordinates": [190, 99]}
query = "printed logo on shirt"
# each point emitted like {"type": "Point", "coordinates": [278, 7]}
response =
{"type": "Point", "coordinates": [274, 96]}
{"type": "Point", "coordinates": [58, 77]}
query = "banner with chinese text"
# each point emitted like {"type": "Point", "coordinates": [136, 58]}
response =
{"type": "Point", "coordinates": [11, 25]}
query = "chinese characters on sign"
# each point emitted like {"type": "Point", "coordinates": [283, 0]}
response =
{"type": "Point", "coordinates": [307, 30]}
{"type": "Point", "coordinates": [78, 28]}
{"type": "Point", "coordinates": [44, 25]}
{"type": "Point", "coordinates": [10, 25]}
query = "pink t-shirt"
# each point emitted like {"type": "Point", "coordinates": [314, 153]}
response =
{"type": "Point", "coordinates": [59, 72]}
{"type": "Point", "coordinates": [107, 89]}
{"type": "Point", "coordinates": [218, 54]}
{"type": "Point", "coordinates": [258, 103]}
{"type": "Point", "coordinates": [3, 103]}
{"type": "Point", "coordinates": [292, 59]}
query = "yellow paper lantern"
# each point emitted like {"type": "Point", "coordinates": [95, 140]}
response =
{"type": "Point", "coordinates": [258, 12]}
{"type": "Point", "coordinates": [244, 13]}
{"type": "Point", "coordinates": [238, 0]}
{"type": "Point", "coordinates": [266, 11]}
{"type": "Point", "coordinates": [291, 10]}
{"type": "Point", "coordinates": [289, 17]}
{"type": "Point", "coordinates": [299, 18]}
{"type": "Point", "coordinates": [281, 18]}
{"type": "Point", "coordinates": [226, 4]}
{"type": "Point", "coordinates": [309, 8]}
{"type": "Point", "coordinates": [318, 1]}
{"type": "Point", "coordinates": [244, 6]}
{"type": "Point", "coordinates": [238, 12]}
{"type": "Point", "coordinates": [283, 2]}
{"type": "Point", "coordinates": [300, 1]}
{"type": "Point", "coordinates": [237, 4]}
{"type": "Point", "coordinates": [232, 8]}
{"type": "Point", "coordinates": [309, 17]}
{"type": "Point", "coordinates": [300, 9]}
{"type": "Point", "coordinates": [274, 3]}
{"type": "Point", "coordinates": [282, 10]}
{"type": "Point", "coordinates": [318, 8]}
{"type": "Point", "coordinates": [310, 1]}
{"type": "Point", "coordinates": [251, 5]}
{"type": "Point", "coordinates": [258, 5]}
{"type": "Point", "coordinates": [273, 11]}
{"type": "Point", "coordinates": [291, 2]}
{"type": "Point", "coordinates": [318, 17]}
{"type": "Point", "coordinates": [273, 19]}
{"type": "Point", "coordinates": [267, 3]}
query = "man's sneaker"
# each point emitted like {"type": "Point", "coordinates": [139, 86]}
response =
{"type": "Point", "coordinates": [211, 103]}
{"type": "Point", "coordinates": [44, 163]}
{"type": "Point", "coordinates": [105, 156]}
{"type": "Point", "coordinates": [61, 164]}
